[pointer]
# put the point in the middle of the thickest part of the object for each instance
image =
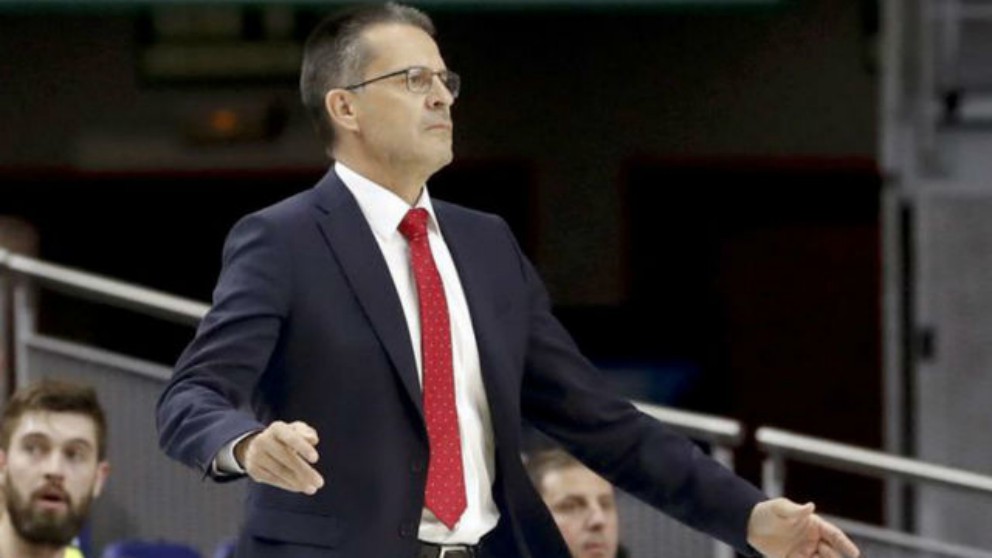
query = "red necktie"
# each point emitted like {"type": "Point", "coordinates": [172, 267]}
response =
{"type": "Point", "coordinates": [445, 495]}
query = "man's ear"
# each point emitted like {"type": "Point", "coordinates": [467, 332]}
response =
{"type": "Point", "coordinates": [102, 470]}
{"type": "Point", "coordinates": [341, 109]}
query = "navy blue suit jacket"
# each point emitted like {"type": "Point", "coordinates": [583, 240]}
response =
{"type": "Point", "coordinates": [306, 325]}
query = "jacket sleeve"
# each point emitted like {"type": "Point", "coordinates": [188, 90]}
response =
{"type": "Point", "coordinates": [206, 404]}
{"type": "Point", "coordinates": [566, 397]}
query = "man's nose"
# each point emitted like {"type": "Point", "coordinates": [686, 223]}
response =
{"type": "Point", "coordinates": [439, 95]}
{"type": "Point", "coordinates": [597, 517]}
{"type": "Point", "coordinates": [53, 465]}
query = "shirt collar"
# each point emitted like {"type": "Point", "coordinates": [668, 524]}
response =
{"type": "Point", "coordinates": [382, 208]}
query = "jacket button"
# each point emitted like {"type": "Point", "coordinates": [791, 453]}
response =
{"type": "Point", "coordinates": [407, 530]}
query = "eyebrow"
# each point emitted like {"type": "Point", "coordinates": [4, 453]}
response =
{"type": "Point", "coordinates": [572, 498]}
{"type": "Point", "coordinates": [44, 436]}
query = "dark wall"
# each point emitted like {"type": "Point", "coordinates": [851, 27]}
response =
{"type": "Point", "coordinates": [573, 92]}
{"type": "Point", "coordinates": [767, 275]}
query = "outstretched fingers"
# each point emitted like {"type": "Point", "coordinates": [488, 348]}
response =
{"type": "Point", "coordinates": [837, 539]}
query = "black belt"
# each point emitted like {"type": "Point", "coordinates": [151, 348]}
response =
{"type": "Point", "coordinates": [431, 550]}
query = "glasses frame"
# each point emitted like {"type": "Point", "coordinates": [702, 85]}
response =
{"type": "Point", "coordinates": [444, 74]}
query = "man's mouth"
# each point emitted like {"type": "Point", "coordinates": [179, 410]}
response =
{"type": "Point", "coordinates": [51, 499]}
{"type": "Point", "coordinates": [594, 547]}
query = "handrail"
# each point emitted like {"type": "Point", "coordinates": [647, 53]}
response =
{"type": "Point", "coordinates": [723, 435]}
{"type": "Point", "coordinates": [103, 358]}
{"type": "Point", "coordinates": [709, 428]}
{"type": "Point", "coordinates": [871, 462]}
{"type": "Point", "coordinates": [183, 310]}
{"type": "Point", "coordinates": [98, 288]}
{"type": "Point", "coordinates": [102, 289]}
{"type": "Point", "coordinates": [913, 543]}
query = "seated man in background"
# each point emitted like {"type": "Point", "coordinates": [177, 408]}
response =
{"type": "Point", "coordinates": [52, 465]}
{"type": "Point", "coordinates": [581, 502]}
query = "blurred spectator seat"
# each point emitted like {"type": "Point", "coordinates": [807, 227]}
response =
{"type": "Point", "coordinates": [225, 549]}
{"type": "Point", "coordinates": [149, 549]}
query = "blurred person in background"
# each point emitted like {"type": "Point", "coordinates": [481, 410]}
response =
{"type": "Point", "coordinates": [582, 503]}
{"type": "Point", "coordinates": [53, 464]}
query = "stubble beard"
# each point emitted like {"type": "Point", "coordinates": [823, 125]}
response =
{"type": "Point", "coordinates": [44, 527]}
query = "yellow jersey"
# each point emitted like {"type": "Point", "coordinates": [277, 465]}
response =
{"type": "Point", "coordinates": [72, 552]}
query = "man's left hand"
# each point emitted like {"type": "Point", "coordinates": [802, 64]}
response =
{"type": "Point", "coordinates": [781, 528]}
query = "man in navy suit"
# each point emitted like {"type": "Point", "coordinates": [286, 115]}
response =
{"type": "Point", "coordinates": [407, 339]}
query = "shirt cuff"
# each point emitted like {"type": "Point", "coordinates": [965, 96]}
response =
{"type": "Point", "coordinates": [224, 463]}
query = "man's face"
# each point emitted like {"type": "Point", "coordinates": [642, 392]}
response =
{"type": "Point", "coordinates": [399, 129]}
{"type": "Point", "coordinates": [584, 508]}
{"type": "Point", "coordinates": [50, 474]}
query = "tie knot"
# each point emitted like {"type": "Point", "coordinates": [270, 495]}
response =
{"type": "Point", "coordinates": [414, 224]}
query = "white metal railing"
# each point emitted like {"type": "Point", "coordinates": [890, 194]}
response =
{"type": "Point", "coordinates": [723, 435]}
{"type": "Point", "coordinates": [912, 544]}
{"type": "Point", "coordinates": [780, 445]}
{"type": "Point", "coordinates": [24, 273]}
{"type": "Point", "coordinates": [103, 289]}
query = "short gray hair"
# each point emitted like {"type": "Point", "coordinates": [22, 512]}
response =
{"type": "Point", "coordinates": [336, 56]}
{"type": "Point", "coordinates": [540, 463]}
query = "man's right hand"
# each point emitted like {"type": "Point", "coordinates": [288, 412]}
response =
{"type": "Point", "coordinates": [282, 455]}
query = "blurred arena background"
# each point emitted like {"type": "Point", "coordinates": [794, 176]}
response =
{"type": "Point", "coordinates": [770, 212]}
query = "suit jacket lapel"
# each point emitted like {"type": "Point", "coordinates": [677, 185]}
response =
{"type": "Point", "coordinates": [352, 242]}
{"type": "Point", "coordinates": [481, 294]}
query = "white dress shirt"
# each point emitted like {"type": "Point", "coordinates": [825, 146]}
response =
{"type": "Point", "coordinates": [384, 210]}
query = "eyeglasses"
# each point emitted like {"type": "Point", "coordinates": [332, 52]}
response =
{"type": "Point", "coordinates": [419, 79]}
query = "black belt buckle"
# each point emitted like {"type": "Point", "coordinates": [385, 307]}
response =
{"type": "Point", "coordinates": [429, 550]}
